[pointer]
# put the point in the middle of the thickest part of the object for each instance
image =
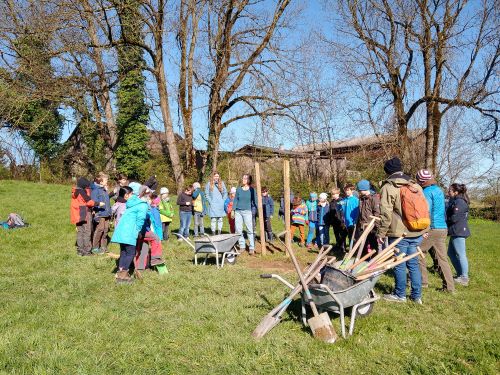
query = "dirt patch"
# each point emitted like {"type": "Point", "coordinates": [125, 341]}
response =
{"type": "Point", "coordinates": [269, 265]}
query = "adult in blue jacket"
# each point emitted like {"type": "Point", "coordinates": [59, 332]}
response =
{"type": "Point", "coordinates": [102, 213]}
{"type": "Point", "coordinates": [216, 194]}
{"type": "Point", "coordinates": [127, 231]}
{"type": "Point", "coordinates": [436, 237]}
{"type": "Point", "coordinates": [457, 215]}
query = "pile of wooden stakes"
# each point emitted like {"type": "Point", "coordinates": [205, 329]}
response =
{"type": "Point", "coordinates": [386, 259]}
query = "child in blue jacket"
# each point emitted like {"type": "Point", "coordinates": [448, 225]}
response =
{"type": "Point", "coordinates": [102, 213]}
{"type": "Point", "coordinates": [323, 228]}
{"type": "Point", "coordinates": [127, 232]}
{"type": "Point", "coordinates": [350, 207]}
{"type": "Point", "coordinates": [312, 208]}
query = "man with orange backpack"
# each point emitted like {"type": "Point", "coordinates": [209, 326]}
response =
{"type": "Point", "coordinates": [403, 212]}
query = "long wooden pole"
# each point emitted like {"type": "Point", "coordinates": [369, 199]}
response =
{"type": "Point", "coordinates": [286, 185]}
{"type": "Point", "coordinates": [260, 210]}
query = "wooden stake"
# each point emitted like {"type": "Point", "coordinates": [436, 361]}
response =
{"type": "Point", "coordinates": [260, 209]}
{"type": "Point", "coordinates": [286, 193]}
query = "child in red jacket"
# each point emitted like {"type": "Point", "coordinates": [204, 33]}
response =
{"type": "Point", "coordinates": [81, 215]}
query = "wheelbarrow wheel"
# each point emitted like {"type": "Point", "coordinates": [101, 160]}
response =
{"type": "Point", "coordinates": [365, 310]}
{"type": "Point", "coordinates": [231, 259]}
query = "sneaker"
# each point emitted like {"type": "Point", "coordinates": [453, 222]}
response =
{"type": "Point", "coordinates": [251, 253]}
{"type": "Point", "coordinates": [464, 281]}
{"type": "Point", "coordinates": [97, 251]}
{"type": "Point", "coordinates": [301, 244]}
{"type": "Point", "coordinates": [394, 298]}
{"type": "Point", "coordinates": [155, 262]}
{"type": "Point", "coordinates": [418, 301]}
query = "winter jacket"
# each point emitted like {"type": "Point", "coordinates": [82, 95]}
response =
{"type": "Point", "coordinates": [299, 214]}
{"type": "Point", "coordinates": [81, 201]}
{"type": "Point", "coordinates": [350, 208]}
{"type": "Point", "coordinates": [131, 222]}
{"type": "Point", "coordinates": [228, 205]}
{"type": "Point", "coordinates": [323, 214]}
{"type": "Point", "coordinates": [268, 206]}
{"type": "Point", "coordinates": [245, 200]}
{"type": "Point", "coordinates": [435, 198]}
{"type": "Point", "coordinates": [185, 202]}
{"type": "Point", "coordinates": [457, 216]}
{"type": "Point", "coordinates": [281, 211]}
{"type": "Point", "coordinates": [99, 194]}
{"type": "Point", "coordinates": [199, 202]}
{"type": "Point", "coordinates": [155, 220]}
{"type": "Point", "coordinates": [336, 215]}
{"type": "Point", "coordinates": [166, 211]}
{"type": "Point", "coordinates": [215, 199]}
{"type": "Point", "coordinates": [369, 205]}
{"type": "Point", "coordinates": [312, 209]}
{"type": "Point", "coordinates": [118, 209]}
{"type": "Point", "coordinates": [391, 222]}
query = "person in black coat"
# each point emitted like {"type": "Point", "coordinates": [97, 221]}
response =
{"type": "Point", "coordinates": [457, 214]}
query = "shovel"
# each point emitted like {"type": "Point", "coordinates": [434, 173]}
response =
{"type": "Point", "coordinates": [321, 325]}
{"type": "Point", "coordinates": [274, 316]}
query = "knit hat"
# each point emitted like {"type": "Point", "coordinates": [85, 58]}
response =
{"type": "Point", "coordinates": [163, 190]}
{"type": "Point", "coordinates": [233, 190]}
{"type": "Point", "coordinates": [313, 195]}
{"type": "Point", "coordinates": [196, 185]}
{"type": "Point", "coordinates": [83, 183]}
{"type": "Point", "coordinates": [323, 196]}
{"type": "Point", "coordinates": [363, 185]}
{"type": "Point", "coordinates": [424, 175]}
{"type": "Point", "coordinates": [135, 186]}
{"type": "Point", "coordinates": [393, 165]}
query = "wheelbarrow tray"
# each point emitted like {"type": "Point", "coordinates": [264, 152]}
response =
{"type": "Point", "coordinates": [223, 242]}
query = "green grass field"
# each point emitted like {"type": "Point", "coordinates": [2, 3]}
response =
{"type": "Point", "coordinates": [63, 314]}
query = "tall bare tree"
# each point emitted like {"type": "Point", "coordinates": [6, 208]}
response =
{"type": "Point", "coordinates": [239, 43]}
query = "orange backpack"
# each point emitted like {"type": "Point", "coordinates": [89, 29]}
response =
{"type": "Point", "coordinates": [416, 216]}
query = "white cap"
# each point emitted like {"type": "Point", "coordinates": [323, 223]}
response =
{"type": "Point", "coordinates": [323, 196]}
{"type": "Point", "coordinates": [196, 185]}
{"type": "Point", "coordinates": [233, 190]}
{"type": "Point", "coordinates": [163, 190]}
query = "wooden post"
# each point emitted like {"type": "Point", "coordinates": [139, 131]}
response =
{"type": "Point", "coordinates": [286, 193]}
{"type": "Point", "coordinates": [260, 209]}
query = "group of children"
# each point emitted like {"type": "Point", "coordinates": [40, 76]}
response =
{"type": "Point", "coordinates": [347, 216]}
{"type": "Point", "coordinates": [140, 218]}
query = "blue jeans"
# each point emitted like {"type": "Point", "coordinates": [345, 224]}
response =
{"type": "Point", "coordinates": [458, 257]}
{"type": "Point", "coordinates": [240, 217]}
{"type": "Point", "coordinates": [311, 232]}
{"type": "Point", "coordinates": [322, 235]}
{"type": "Point", "coordinates": [409, 247]}
{"type": "Point", "coordinates": [185, 217]}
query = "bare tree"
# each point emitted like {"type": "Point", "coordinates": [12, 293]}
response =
{"type": "Point", "coordinates": [239, 42]}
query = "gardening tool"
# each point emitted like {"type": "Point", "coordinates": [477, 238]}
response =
{"type": "Point", "coordinates": [362, 245]}
{"type": "Point", "coordinates": [361, 239]}
{"type": "Point", "coordinates": [365, 257]}
{"type": "Point", "coordinates": [361, 276]}
{"type": "Point", "coordinates": [274, 316]}
{"type": "Point", "coordinates": [381, 254]}
{"type": "Point", "coordinates": [321, 325]}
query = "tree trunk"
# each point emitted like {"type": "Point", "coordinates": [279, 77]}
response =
{"type": "Point", "coordinates": [212, 150]}
{"type": "Point", "coordinates": [167, 123]}
{"type": "Point", "coordinates": [103, 95]}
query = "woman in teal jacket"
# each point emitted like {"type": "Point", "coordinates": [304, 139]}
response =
{"type": "Point", "coordinates": [127, 231]}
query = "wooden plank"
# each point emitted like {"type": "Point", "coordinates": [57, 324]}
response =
{"type": "Point", "coordinates": [260, 209]}
{"type": "Point", "coordinates": [286, 184]}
